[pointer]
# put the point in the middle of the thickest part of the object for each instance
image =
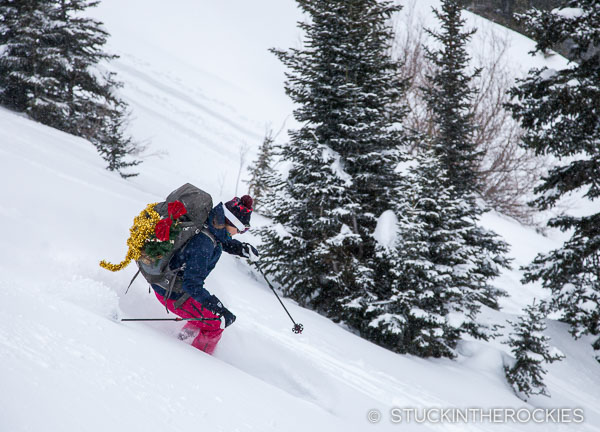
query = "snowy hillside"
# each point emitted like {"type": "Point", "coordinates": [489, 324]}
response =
{"type": "Point", "coordinates": [66, 361]}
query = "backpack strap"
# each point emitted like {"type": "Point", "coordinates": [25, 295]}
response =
{"type": "Point", "coordinates": [170, 277]}
{"type": "Point", "coordinates": [181, 300]}
{"type": "Point", "coordinates": [185, 295]}
{"type": "Point", "coordinates": [208, 234]}
{"type": "Point", "coordinates": [132, 279]}
{"type": "Point", "coordinates": [171, 280]}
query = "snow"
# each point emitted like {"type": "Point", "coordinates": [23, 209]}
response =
{"type": "Point", "coordinates": [534, 356]}
{"type": "Point", "coordinates": [66, 361]}
{"type": "Point", "coordinates": [555, 352]}
{"type": "Point", "coordinates": [404, 167]}
{"type": "Point", "coordinates": [489, 41]}
{"type": "Point", "coordinates": [281, 231]}
{"type": "Point", "coordinates": [388, 319]}
{"type": "Point", "coordinates": [336, 166]}
{"type": "Point", "coordinates": [568, 12]}
{"type": "Point", "coordinates": [386, 230]}
{"type": "Point", "coordinates": [548, 73]}
{"type": "Point", "coordinates": [345, 233]}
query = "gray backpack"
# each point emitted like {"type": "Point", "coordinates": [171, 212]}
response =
{"type": "Point", "coordinates": [198, 204]}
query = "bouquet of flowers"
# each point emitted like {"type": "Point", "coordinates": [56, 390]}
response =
{"type": "Point", "coordinates": [161, 241]}
{"type": "Point", "coordinates": [150, 236]}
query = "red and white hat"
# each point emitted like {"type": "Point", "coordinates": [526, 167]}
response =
{"type": "Point", "coordinates": [238, 212]}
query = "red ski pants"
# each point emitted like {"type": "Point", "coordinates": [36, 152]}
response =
{"type": "Point", "coordinates": [207, 333]}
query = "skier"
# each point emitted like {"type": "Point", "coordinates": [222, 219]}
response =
{"type": "Point", "coordinates": [197, 259]}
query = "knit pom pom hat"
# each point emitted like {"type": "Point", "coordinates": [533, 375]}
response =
{"type": "Point", "coordinates": [238, 212]}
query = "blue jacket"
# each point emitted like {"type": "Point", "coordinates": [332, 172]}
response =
{"type": "Point", "coordinates": [200, 256]}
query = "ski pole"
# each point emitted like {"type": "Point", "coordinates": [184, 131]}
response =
{"type": "Point", "coordinates": [170, 319]}
{"type": "Point", "coordinates": [297, 326]}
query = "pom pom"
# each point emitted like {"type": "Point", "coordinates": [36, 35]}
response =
{"type": "Point", "coordinates": [247, 201]}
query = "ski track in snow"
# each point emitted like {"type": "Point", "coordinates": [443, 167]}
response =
{"type": "Point", "coordinates": [137, 75]}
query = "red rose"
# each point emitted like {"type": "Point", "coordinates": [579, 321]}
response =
{"type": "Point", "coordinates": [163, 229]}
{"type": "Point", "coordinates": [176, 209]}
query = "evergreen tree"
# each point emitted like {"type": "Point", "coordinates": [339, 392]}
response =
{"type": "Point", "coordinates": [30, 61]}
{"type": "Point", "coordinates": [262, 173]}
{"type": "Point", "coordinates": [342, 158]}
{"type": "Point", "coordinates": [85, 91]}
{"type": "Point", "coordinates": [94, 110]}
{"type": "Point", "coordinates": [112, 143]}
{"type": "Point", "coordinates": [559, 110]}
{"type": "Point", "coordinates": [299, 248]}
{"type": "Point", "coordinates": [449, 97]}
{"type": "Point", "coordinates": [439, 277]}
{"type": "Point", "coordinates": [531, 349]}
{"type": "Point", "coordinates": [48, 69]}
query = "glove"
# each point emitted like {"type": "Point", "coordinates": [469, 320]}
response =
{"type": "Point", "coordinates": [227, 318]}
{"type": "Point", "coordinates": [250, 252]}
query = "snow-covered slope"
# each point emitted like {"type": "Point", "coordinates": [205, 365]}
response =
{"type": "Point", "coordinates": [66, 361]}
{"type": "Point", "coordinates": [201, 82]}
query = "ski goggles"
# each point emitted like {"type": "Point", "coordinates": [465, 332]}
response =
{"type": "Point", "coordinates": [241, 228]}
{"type": "Point", "coordinates": [246, 228]}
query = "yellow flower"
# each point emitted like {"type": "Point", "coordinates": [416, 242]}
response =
{"type": "Point", "coordinates": [143, 227]}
